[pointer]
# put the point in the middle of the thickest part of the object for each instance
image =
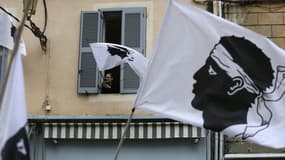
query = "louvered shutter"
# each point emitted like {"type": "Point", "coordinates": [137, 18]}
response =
{"type": "Point", "coordinates": [3, 63]}
{"type": "Point", "coordinates": [87, 70]}
{"type": "Point", "coordinates": [133, 35]}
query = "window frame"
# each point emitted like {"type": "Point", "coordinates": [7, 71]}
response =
{"type": "Point", "coordinates": [142, 44]}
{"type": "Point", "coordinates": [86, 50]}
{"type": "Point", "coordinates": [100, 38]}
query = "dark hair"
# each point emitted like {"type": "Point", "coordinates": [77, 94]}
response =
{"type": "Point", "coordinates": [251, 58]}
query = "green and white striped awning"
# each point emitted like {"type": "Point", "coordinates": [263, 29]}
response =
{"type": "Point", "coordinates": [141, 130]}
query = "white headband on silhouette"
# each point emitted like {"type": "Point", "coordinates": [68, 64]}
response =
{"type": "Point", "coordinates": [225, 61]}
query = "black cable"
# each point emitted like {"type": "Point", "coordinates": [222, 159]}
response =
{"type": "Point", "coordinates": [38, 33]}
{"type": "Point", "coordinates": [33, 27]}
{"type": "Point", "coordinates": [36, 30]}
{"type": "Point", "coordinates": [46, 15]}
{"type": "Point", "coordinates": [255, 2]}
{"type": "Point", "coordinates": [11, 15]}
{"type": "Point", "coordinates": [271, 9]}
{"type": "Point", "coordinates": [249, 1]}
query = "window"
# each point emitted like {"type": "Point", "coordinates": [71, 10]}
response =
{"type": "Point", "coordinates": [124, 26]}
{"type": "Point", "coordinates": [3, 62]}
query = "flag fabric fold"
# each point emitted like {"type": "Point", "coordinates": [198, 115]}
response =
{"type": "Point", "coordinates": [215, 74]}
{"type": "Point", "coordinates": [14, 143]}
{"type": "Point", "coordinates": [109, 55]}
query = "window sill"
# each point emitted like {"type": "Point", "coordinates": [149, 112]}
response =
{"type": "Point", "coordinates": [116, 97]}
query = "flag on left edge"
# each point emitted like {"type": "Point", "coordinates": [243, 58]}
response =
{"type": "Point", "coordinates": [14, 144]}
{"type": "Point", "coordinates": [6, 31]}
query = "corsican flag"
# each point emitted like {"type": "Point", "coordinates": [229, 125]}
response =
{"type": "Point", "coordinates": [215, 74]}
{"type": "Point", "coordinates": [13, 118]}
{"type": "Point", "coordinates": [108, 55]}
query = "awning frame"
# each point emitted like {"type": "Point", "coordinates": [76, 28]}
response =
{"type": "Point", "coordinates": [139, 130]}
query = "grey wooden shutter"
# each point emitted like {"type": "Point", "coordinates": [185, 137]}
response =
{"type": "Point", "coordinates": [3, 63]}
{"type": "Point", "coordinates": [133, 35]}
{"type": "Point", "coordinates": [87, 70]}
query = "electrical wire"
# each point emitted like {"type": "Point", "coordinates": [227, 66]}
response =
{"type": "Point", "coordinates": [46, 15]}
{"type": "Point", "coordinates": [255, 3]}
{"type": "Point", "coordinates": [33, 27]}
{"type": "Point", "coordinates": [14, 17]}
{"type": "Point", "coordinates": [249, 1]}
{"type": "Point", "coordinates": [36, 30]}
{"type": "Point", "coordinates": [271, 9]}
{"type": "Point", "coordinates": [241, 2]}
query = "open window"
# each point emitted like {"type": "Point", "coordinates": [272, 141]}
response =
{"type": "Point", "coordinates": [124, 26]}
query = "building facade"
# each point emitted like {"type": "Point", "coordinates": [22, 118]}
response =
{"type": "Point", "coordinates": [71, 117]}
{"type": "Point", "coordinates": [267, 18]}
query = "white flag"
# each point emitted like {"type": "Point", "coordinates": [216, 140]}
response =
{"type": "Point", "coordinates": [108, 55]}
{"type": "Point", "coordinates": [6, 31]}
{"type": "Point", "coordinates": [13, 118]}
{"type": "Point", "coordinates": [215, 74]}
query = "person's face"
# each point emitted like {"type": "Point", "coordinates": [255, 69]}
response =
{"type": "Point", "coordinates": [108, 78]}
{"type": "Point", "coordinates": [212, 84]}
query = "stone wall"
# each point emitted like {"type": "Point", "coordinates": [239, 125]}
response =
{"type": "Point", "coordinates": [267, 19]}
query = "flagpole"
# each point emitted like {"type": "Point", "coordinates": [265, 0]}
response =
{"type": "Point", "coordinates": [219, 141]}
{"type": "Point", "coordinates": [15, 49]}
{"type": "Point", "coordinates": [124, 134]}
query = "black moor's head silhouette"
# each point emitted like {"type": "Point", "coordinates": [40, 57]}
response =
{"type": "Point", "coordinates": [117, 50]}
{"type": "Point", "coordinates": [235, 73]}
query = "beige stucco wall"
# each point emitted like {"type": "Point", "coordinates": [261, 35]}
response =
{"type": "Point", "coordinates": [54, 73]}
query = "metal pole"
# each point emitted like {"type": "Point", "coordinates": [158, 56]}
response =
{"type": "Point", "coordinates": [220, 8]}
{"type": "Point", "coordinates": [209, 137]}
{"type": "Point", "coordinates": [221, 136]}
{"type": "Point", "coordinates": [14, 51]}
{"type": "Point", "coordinates": [221, 157]}
{"type": "Point", "coordinates": [124, 134]}
{"type": "Point", "coordinates": [216, 146]}
{"type": "Point", "coordinates": [219, 140]}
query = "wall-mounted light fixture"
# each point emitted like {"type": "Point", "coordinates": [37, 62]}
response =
{"type": "Point", "coordinates": [47, 105]}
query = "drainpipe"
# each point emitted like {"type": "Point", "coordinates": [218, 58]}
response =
{"type": "Point", "coordinates": [221, 147]}
{"type": "Point", "coordinates": [219, 138]}
{"type": "Point", "coordinates": [220, 8]}
{"type": "Point", "coordinates": [216, 154]}
{"type": "Point", "coordinates": [208, 153]}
